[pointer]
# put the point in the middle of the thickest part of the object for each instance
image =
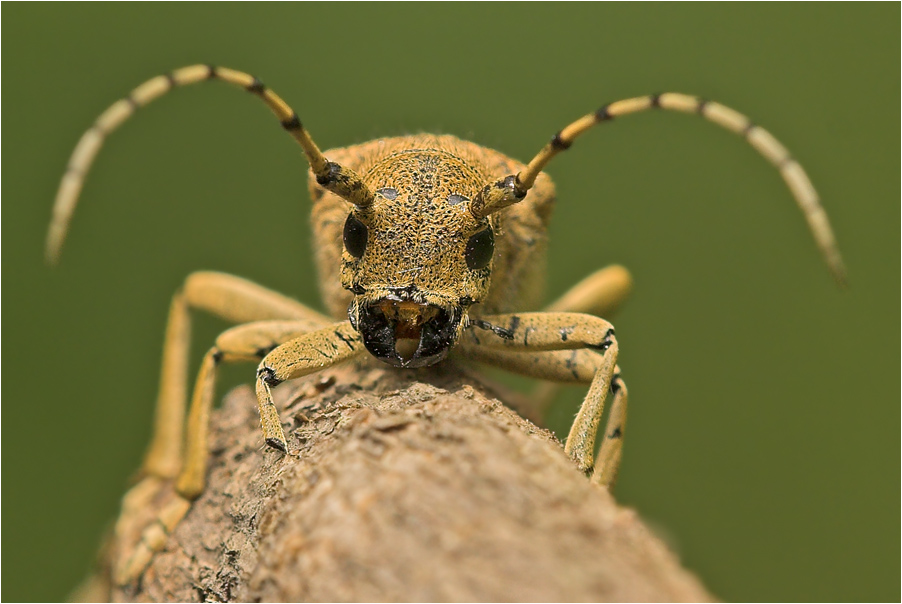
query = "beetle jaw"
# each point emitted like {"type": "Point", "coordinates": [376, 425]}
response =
{"type": "Point", "coordinates": [405, 333]}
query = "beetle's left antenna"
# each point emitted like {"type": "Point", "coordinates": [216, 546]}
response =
{"type": "Point", "coordinates": [342, 181]}
{"type": "Point", "coordinates": [513, 188]}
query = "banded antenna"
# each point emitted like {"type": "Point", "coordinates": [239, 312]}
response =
{"type": "Point", "coordinates": [511, 189]}
{"type": "Point", "coordinates": [334, 177]}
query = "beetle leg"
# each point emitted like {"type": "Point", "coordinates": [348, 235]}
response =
{"type": "Point", "coordinates": [600, 294]}
{"type": "Point", "coordinates": [558, 366]}
{"type": "Point", "coordinates": [611, 451]}
{"type": "Point", "coordinates": [585, 347]}
{"type": "Point", "coordinates": [247, 342]}
{"type": "Point", "coordinates": [224, 296]}
{"type": "Point", "coordinates": [304, 355]}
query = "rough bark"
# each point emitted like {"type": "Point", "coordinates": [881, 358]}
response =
{"type": "Point", "coordinates": [406, 486]}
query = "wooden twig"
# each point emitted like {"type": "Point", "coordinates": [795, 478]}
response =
{"type": "Point", "coordinates": [406, 486]}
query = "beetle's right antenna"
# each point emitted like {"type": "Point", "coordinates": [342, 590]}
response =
{"type": "Point", "coordinates": [511, 189]}
{"type": "Point", "coordinates": [342, 181]}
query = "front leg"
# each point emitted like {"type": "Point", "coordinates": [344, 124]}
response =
{"type": "Point", "coordinates": [600, 294]}
{"type": "Point", "coordinates": [227, 297]}
{"type": "Point", "coordinates": [307, 354]}
{"type": "Point", "coordinates": [151, 510]}
{"type": "Point", "coordinates": [514, 341]}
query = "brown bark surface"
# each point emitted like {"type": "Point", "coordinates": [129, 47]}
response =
{"type": "Point", "coordinates": [405, 486]}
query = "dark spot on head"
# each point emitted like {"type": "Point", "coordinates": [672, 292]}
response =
{"type": "Point", "coordinates": [480, 248]}
{"type": "Point", "coordinates": [389, 193]}
{"type": "Point", "coordinates": [355, 236]}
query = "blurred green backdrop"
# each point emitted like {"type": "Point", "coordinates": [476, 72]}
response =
{"type": "Point", "coordinates": [764, 426]}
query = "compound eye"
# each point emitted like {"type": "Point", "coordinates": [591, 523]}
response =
{"type": "Point", "coordinates": [355, 233]}
{"type": "Point", "coordinates": [479, 249]}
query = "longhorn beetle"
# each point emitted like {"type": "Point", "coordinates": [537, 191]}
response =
{"type": "Point", "coordinates": [437, 243]}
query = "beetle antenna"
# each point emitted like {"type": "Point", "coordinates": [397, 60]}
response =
{"type": "Point", "coordinates": [342, 181]}
{"type": "Point", "coordinates": [511, 189]}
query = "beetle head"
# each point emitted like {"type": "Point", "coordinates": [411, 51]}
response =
{"type": "Point", "coordinates": [417, 257]}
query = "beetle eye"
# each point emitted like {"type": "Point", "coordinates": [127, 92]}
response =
{"type": "Point", "coordinates": [479, 249]}
{"type": "Point", "coordinates": [355, 236]}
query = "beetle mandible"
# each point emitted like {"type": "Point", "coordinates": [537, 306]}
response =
{"type": "Point", "coordinates": [438, 242]}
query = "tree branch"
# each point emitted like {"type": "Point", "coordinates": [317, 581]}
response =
{"type": "Point", "coordinates": [406, 486]}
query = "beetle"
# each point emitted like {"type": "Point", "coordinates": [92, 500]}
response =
{"type": "Point", "coordinates": [437, 244]}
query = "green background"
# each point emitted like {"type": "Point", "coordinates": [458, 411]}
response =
{"type": "Point", "coordinates": [764, 426]}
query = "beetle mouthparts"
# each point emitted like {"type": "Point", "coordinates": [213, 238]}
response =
{"type": "Point", "coordinates": [408, 334]}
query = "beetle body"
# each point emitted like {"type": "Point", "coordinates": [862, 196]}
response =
{"type": "Point", "coordinates": [423, 244]}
